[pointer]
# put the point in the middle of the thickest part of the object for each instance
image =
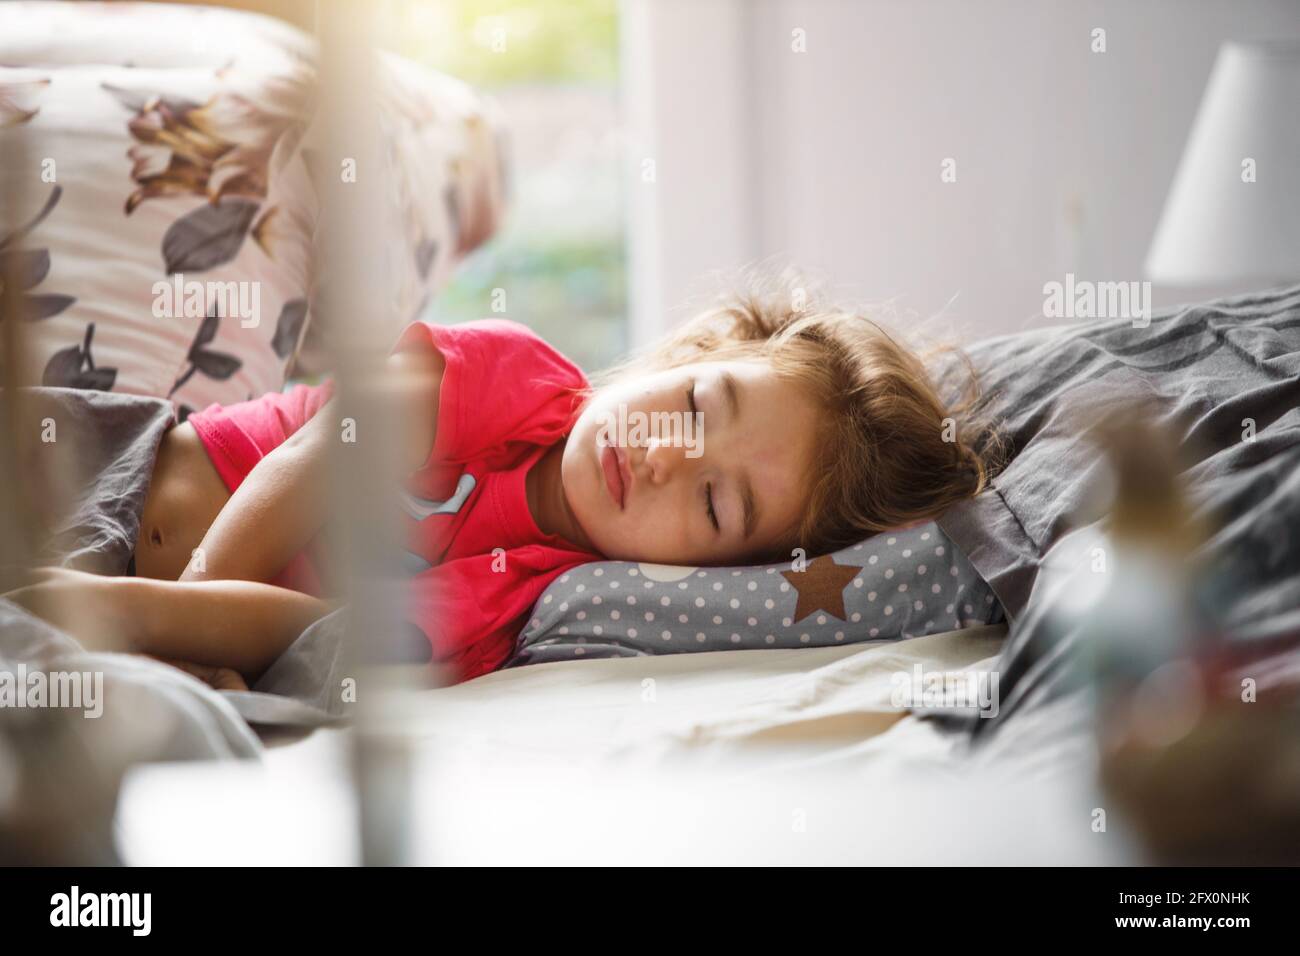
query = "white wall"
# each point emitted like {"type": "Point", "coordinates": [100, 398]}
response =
{"type": "Point", "coordinates": [832, 157]}
{"type": "Point", "coordinates": [688, 113]}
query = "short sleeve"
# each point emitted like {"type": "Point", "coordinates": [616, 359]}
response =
{"type": "Point", "coordinates": [503, 390]}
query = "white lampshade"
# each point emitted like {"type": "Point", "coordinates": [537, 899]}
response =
{"type": "Point", "coordinates": [1215, 227]}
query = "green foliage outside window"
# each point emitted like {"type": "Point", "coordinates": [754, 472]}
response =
{"type": "Point", "coordinates": [559, 256]}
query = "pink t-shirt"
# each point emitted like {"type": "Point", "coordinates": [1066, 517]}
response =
{"type": "Point", "coordinates": [506, 398]}
{"type": "Point", "coordinates": [478, 559]}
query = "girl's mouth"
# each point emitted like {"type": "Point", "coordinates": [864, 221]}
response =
{"type": "Point", "coordinates": [613, 462]}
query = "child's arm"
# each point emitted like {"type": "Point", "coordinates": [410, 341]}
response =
{"type": "Point", "coordinates": [283, 503]}
{"type": "Point", "coordinates": [243, 625]}
{"type": "Point", "coordinates": [274, 513]}
{"type": "Point", "coordinates": [237, 624]}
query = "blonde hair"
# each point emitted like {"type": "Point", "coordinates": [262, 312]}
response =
{"type": "Point", "coordinates": [890, 452]}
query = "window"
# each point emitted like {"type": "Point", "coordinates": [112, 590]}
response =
{"type": "Point", "coordinates": [559, 256]}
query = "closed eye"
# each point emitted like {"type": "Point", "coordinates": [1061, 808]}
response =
{"type": "Point", "coordinates": [708, 488]}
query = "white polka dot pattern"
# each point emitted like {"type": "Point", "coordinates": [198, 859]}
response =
{"type": "Point", "coordinates": [912, 582]}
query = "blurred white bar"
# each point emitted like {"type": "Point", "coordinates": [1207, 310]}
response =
{"type": "Point", "coordinates": [364, 475]}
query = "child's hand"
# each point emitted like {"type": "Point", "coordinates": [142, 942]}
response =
{"type": "Point", "coordinates": [218, 678]}
{"type": "Point", "coordinates": [94, 609]}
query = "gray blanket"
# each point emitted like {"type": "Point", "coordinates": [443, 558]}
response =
{"type": "Point", "coordinates": [1209, 374]}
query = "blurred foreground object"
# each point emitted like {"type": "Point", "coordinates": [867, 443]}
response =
{"type": "Point", "coordinates": [1199, 731]}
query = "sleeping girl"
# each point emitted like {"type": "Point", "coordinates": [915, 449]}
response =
{"type": "Point", "coordinates": [817, 430]}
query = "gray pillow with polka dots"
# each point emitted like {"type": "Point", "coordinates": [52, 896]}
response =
{"type": "Point", "coordinates": [893, 585]}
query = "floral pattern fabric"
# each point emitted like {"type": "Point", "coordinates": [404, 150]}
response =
{"type": "Point", "coordinates": [163, 242]}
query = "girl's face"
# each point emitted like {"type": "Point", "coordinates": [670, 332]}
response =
{"type": "Point", "coordinates": [698, 465]}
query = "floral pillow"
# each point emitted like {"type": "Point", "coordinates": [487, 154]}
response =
{"type": "Point", "coordinates": [163, 241]}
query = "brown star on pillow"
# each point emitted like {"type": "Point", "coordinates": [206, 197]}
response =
{"type": "Point", "coordinates": [821, 586]}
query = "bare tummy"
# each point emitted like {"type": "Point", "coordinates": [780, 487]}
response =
{"type": "Point", "coordinates": [185, 496]}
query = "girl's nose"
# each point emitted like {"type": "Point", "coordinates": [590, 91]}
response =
{"type": "Point", "coordinates": [663, 459]}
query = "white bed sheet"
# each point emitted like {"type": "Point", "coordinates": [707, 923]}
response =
{"type": "Point", "coordinates": [696, 706]}
{"type": "Point", "coordinates": [767, 756]}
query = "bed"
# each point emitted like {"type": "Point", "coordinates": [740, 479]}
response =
{"type": "Point", "coordinates": [773, 754]}
{"type": "Point", "coordinates": [764, 755]}
{"type": "Point", "coordinates": [802, 756]}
